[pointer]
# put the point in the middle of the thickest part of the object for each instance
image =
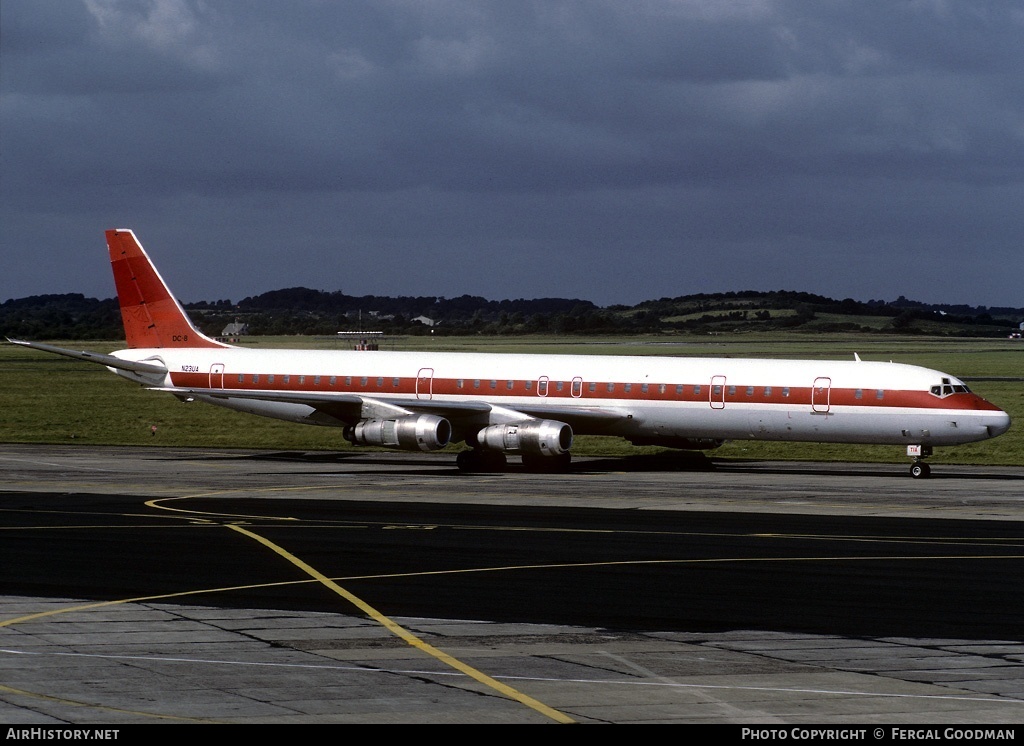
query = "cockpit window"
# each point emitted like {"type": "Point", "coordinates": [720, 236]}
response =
{"type": "Point", "coordinates": [947, 388]}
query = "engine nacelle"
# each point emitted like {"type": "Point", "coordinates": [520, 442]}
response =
{"type": "Point", "coordinates": [534, 437]}
{"type": "Point", "coordinates": [415, 432]}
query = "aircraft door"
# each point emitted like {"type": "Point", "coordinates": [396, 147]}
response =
{"type": "Point", "coordinates": [217, 376]}
{"type": "Point", "coordinates": [542, 386]}
{"type": "Point", "coordinates": [717, 392]}
{"type": "Point", "coordinates": [425, 383]}
{"type": "Point", "coordinates": [577, 387]}
{"type": "Point", "coordinates": [820, 393]}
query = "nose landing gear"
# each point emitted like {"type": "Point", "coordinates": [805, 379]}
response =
{"type": "Point", "coordinates": [919, 469]}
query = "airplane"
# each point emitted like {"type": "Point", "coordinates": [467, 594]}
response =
{"type": "Point", "coordinates": [532, 405]}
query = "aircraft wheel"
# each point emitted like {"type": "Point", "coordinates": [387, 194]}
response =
{"type": "Point", "coordinates": [920, 471]}
{"type": "Point", "coordinates": [547, 464]}
{"type": "Point", "coordinates": [480, 461]}
{"type": "Point", "coordinates": [494, 460]}
{"type": "Point", "coordinates": [465, 461]}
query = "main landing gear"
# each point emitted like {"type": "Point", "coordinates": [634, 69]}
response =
{"type": "Point", "coordinates": [480, 460]}
{"type": "Point", "coordinates": [919, 469]}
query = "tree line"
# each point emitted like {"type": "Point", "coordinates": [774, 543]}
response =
{"type": "Point", "coordinates": [315, 312]}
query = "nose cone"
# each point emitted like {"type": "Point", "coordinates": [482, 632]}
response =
{"type": "Point", "coordinates": [997, 423]}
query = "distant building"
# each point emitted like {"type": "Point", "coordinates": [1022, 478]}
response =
{"type": "Point", "coordinates": [235, 330]}
{"type": "Point", "coordinates": [426, 321]}
{"type": "Point", "coordinates": [372, 314]}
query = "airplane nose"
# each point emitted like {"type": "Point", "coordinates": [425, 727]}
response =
{"type": "Point", "coordinates": [997, 424]}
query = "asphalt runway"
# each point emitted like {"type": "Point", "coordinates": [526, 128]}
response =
{"type": "Point", "coordinates": [176, 585]}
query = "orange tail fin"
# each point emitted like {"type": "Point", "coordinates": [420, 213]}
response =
{"type": "Point", "coordinates": [151, 315]}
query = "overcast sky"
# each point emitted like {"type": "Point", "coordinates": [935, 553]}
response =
{"type": "Point", "coordinates": [612, 151]}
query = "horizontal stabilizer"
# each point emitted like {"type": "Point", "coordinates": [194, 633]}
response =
{"type": "Point", "coordinates": [94, 357]}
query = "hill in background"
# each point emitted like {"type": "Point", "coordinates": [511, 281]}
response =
{"type": "Point", "coordinates": [316, 312]}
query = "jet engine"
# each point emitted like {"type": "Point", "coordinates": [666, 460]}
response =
{"type": "Point", "coordinates": [529, 437]}
{"type": "Point", "coordinates": [415, 432]}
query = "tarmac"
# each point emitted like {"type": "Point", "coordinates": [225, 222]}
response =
{"type": "Point", "coordinates": [66, 659]}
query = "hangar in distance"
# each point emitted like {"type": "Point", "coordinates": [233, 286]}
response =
{"type": "Point", "coordinates": [531, 405]}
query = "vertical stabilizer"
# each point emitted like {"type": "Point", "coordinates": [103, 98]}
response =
{"type": "Point", "coordinates": [151, 315]}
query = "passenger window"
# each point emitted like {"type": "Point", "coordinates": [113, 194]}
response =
{"type": "Point", "coordinates": [750, 390]}
{"type": "Point", "coordinates": [785, 390]}
{"type": "Point", "coordinates": [879, 394]}
{"type": "Point", "coordinates": [767, 391]}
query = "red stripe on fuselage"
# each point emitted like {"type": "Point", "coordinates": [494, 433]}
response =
{"type": "Point", "coordinates": [495, 389]}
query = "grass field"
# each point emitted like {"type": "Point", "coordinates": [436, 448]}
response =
{"type": "Point", "coordinates": [50, 399]}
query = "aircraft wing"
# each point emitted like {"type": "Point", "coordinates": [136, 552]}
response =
{"type": "Point", "coordinates": [581, 419]}
{"type": "Point", "coordinates": [350, 408]}
{"type": "Point", "coordinates": [346, 408]}
{"type": "Point", "coordinates": [94, 357]}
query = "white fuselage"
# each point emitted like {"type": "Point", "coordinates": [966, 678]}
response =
{"type": "Point", "coordinates": [645, 399]}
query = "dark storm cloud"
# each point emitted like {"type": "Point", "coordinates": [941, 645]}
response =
{"type": "Point", "coordinates": [604, 150]}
